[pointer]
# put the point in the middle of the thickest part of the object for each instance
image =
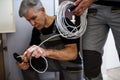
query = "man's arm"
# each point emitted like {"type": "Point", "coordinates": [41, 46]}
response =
{"type": "Point", "coordinates": [69, 52]}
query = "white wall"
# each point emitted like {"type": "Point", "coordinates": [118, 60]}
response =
{"type": "Point", "coordinates": [110, 57]}
{"type": "Point", "coordinates": [19, 41]}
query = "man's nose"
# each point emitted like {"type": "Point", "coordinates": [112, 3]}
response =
{"type": "Point", "coordinates": [32, 22]}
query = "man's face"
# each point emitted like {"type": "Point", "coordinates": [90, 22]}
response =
{"type": "Point", "coordinates": [36, 19]}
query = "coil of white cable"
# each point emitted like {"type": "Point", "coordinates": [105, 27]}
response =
{"type": "Point", "coordinates": [77, 31]}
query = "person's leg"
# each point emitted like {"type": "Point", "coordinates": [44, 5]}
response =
{"type": "Point", "coordinates": [114, 23]}
{"type": "Point", "coordinates": [93, 42]}
{"type": "Point", "coordinates": [92, 65]}
{"type": "Point", "coordinates": [73, 75]}
{"type": "Point", "coordinates": [30, 75]}
{"type": "Point", "coordinates": [99, 77]}
{"type": "Point", "coordinates": [72, 71]}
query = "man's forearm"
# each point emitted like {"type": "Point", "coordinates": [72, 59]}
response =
{"type": "Point", "coordinates": [68, 53]}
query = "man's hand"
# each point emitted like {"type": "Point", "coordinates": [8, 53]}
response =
{"type": "Point", "coordinates": [82, 5]}
{"type": "Point", "coordinates": [34, 51]}
{"type": "Point", "coordinates": [23, 66]}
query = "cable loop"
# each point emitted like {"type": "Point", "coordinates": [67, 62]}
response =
{"type": "Point", "coordinates": [60, 22]}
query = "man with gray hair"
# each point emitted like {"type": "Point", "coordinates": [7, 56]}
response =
{"type": "Point", "coordinates": [62, 54]}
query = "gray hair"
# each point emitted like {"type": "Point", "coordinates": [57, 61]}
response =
{"type": "Point", "coordinates": [26, 4]}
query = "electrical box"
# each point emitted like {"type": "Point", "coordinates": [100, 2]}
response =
{"type": "Point", "coordinates": [7, 24]}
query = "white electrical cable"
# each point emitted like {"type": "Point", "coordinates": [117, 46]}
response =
{"type": "Point", "coordinates": [77, 31]}
{"type": "Point", "coordinates": [46, 62]}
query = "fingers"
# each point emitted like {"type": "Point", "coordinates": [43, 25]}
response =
{"type": "Point", "coordinates": [38, 52]}
{"type": "Point", "coordinates": [26, 66]}
{"type": "Point", "coordinates": [23, 66]}
{"type": "Point", "coordinates": [33, 51]}
{"type": "Point", "coordinates": [77, 2]}
{"type": "Point", "coordinates": [82, 5]}
{"type": "Point", "coordinates": [80, 8]}
{"type": "Point", "coordinates": [79, 11]}
{"type": "Point", "coordinates": [27, 54]}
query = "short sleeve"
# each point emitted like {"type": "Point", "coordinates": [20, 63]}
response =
{"type": "Point", "coordinates": [35, 39]}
